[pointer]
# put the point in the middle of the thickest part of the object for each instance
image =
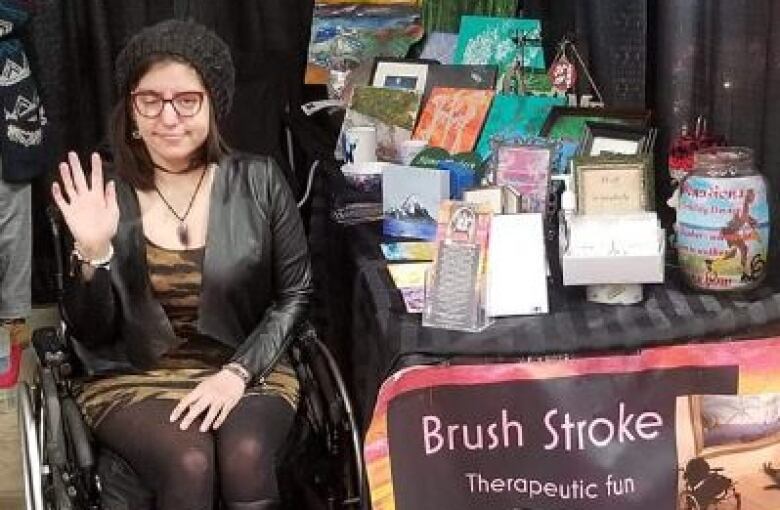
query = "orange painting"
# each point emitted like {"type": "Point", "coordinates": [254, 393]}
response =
{"type": "Point", "coordinates": [452, 118]}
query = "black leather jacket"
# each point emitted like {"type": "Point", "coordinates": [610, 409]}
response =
{"type": "Point", "coordinates": [256, 280]}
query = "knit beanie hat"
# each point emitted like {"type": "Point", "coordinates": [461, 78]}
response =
{"type": "Point", "coordinates": [196, 44]}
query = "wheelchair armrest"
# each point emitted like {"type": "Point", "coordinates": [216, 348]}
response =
{"type": "Point", "coordinates": [79, 433]}
{"type": "Point", "coordinates": [55, 437]}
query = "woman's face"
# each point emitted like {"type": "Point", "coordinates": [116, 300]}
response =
{"type": "Point", "coordinates": [171, 108]}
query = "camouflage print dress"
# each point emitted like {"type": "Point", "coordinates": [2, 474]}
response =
{"type": "Point", "coordinates": [175, 277]}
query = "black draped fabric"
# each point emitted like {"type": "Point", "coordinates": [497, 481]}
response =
{"type": "Point", "coordinates": [610, 35]}
{"type": "Point", "coordinates": [379, 337]}
{"type": "Point", "coordinates": [721, 58]}
{"type": "Point", "coordinates": [75, 43]}
{"type": "Point", "coordinates": [72, 45]}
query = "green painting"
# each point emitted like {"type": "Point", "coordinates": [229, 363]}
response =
{"type": "Point", "coordinates": [395, 107]}
{"type": "Point", "coordinates": [574, 127]}
{"type": "Point", "coordinates": [488, 40]}
{"type": "Point", "coordinates": [512, 116]}
{"type": "Point", "coordinates": [444, 15]}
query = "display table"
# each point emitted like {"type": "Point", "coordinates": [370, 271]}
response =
{"type": "Point", "coordinates": [367, 318]}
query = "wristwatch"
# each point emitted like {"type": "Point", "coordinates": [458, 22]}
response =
{"type": "Point", "coordinates": [103, 262]}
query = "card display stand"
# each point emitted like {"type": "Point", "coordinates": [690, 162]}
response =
{"type": "Point", "coordinates": [455, 288]}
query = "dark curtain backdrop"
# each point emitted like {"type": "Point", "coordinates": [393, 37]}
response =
{"type": "Point", "coordinates": [721, 58]}
{"type": "Point", "coordinates": [610, 35]}
{"type": "Point", "coordinates": [73, 44]}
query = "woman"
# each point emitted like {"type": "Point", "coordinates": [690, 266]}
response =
{"type": "Point", "coordinates": [190, 277]}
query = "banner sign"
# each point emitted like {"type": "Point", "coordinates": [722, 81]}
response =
{"type": "Point", "coordinates": [690, 427]}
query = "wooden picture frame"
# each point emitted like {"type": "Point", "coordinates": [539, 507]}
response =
{"type": "Point", "coordinates": [400, 73]}
{"type": "Point", "coordinates": [609, 184]}
{"type": "Point", "coordinates": [611, 138]}
{"type": "Point", "coordinates": [569, 121]}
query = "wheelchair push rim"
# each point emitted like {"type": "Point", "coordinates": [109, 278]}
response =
{"type": "Point", "coordinates": [32, 461]}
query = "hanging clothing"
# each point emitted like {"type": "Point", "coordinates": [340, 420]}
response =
{"type": "Point", "coordinates": [23, 119]}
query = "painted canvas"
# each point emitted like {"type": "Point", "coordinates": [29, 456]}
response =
{"type": "Point", "coordinates": [410, 280]}
{"type": "Point", "coordinates": [458, 76]}
{"type": "Point", "coordinates": [362, 32]}
{"type": "Point", "coordinates": [440, 46]}
{"type": "Point", "coordinates": [452, 118]}
{"type": "Point", "coordinates": [512, 116]}
{"type": "Point", "coordinates": [489, 40]}
{"type": "Point", "coordinates": [409, 250]}
{"type": "Point", "coordinates": [392, 111]}
{"type": "Point", "coordinates": [411, 198]}
{"type": "Point", "coordinates": [526, 169]}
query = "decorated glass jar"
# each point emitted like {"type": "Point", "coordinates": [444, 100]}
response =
{"type": "Point", "coordinates": [723, 221]}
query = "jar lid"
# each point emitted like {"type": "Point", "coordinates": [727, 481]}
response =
{"type": "Point", "coordinates": [719, 161]}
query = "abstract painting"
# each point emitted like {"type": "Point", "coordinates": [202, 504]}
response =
{"type": "Point", "coordinates": [488, 40]}
{"type": "Point", "coordinates": [512, 116]}
{"type": "Point", "coordinates": [452, 118]}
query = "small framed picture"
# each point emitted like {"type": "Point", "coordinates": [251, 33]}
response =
{"type": "Point", "coordinates": [609, 138]}
{"type": "Point", "coordinates": [570, 122]}
{"type": "Point", "coordinates": [399, 73]}
{"type": "Point", "coordinates": [612, 185]}
{"type": "Point", "coordinates": [526, 169]}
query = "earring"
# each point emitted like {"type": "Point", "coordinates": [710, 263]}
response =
{"type": "Point", "coordinates": [135, 134]}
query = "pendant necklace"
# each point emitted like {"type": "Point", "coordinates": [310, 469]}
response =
{"type": "Point", "coordinates": [181, 231]}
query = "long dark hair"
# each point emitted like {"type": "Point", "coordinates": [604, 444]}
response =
{"type": "Point", "coordinates": [131, 158]}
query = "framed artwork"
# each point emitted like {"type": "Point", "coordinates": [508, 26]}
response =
{"type": "Point", "coordinates": [526, 170]}
{"type": "Point", "coordinates": [610, 138]}
{"type": "Point", "coordinates": [612, 185]}
{"type": "Point", "coordinates": [570, 122]}
{"type": "Point", "coordinates": [452, 118]}
{"type": "Point", "coordinates": [397, 73]}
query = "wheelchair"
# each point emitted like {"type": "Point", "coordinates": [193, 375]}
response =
{"type": "Point", "coordinates": [706, 488]}
{"type": "Point", "coordinates": [64, 468]}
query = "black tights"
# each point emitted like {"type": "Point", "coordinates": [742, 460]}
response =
{"type": "Point", "coordinates": [180, 466]}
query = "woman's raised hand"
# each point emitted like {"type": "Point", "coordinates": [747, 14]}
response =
{"type": "Point", "coordinates": [89, 208]}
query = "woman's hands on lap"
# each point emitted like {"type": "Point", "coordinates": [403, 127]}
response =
{"type": "Point", "coordinates": [216, 396]}
{"type": "Point", "coordinates": [89, 208]}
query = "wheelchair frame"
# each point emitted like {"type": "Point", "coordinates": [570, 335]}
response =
{"type": "Point", "coordinates": [60, 465]}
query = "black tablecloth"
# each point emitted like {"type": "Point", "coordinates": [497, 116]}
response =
{"type": "Point", "coordinates": [366, 316]}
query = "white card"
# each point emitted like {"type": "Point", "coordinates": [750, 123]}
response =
{"type": "Point", "coordinates": [517, 266]}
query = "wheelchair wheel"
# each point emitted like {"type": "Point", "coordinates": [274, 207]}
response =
{"type": "Point", "coordinates": [32, 462]}
{"type": "Point", "coordinates": [323, 467]}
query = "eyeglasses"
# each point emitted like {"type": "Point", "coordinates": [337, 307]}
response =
{"type": "Point", "coordinates": [150, 104]}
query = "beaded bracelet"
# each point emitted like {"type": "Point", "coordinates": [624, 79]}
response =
{"type": "Point", "coordinates": [238, 370]}
{"type": "Point", "coordinates": [103, 262]}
